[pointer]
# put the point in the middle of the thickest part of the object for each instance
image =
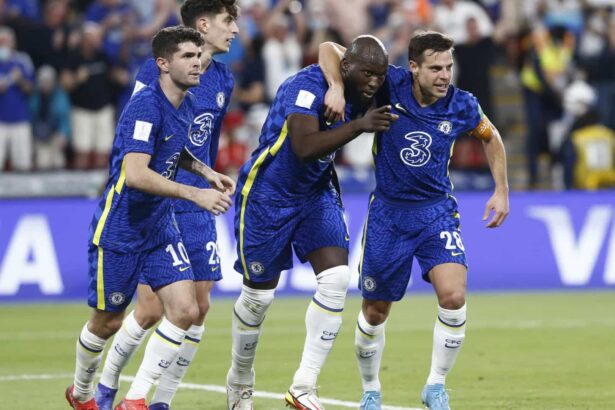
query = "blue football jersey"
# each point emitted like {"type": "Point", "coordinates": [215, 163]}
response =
{"type": "Point", "coordinates": [128, 220]}
{"type": "Point", "coordinates": [274, 171]}
{"type": "Point", "coordinates": [212, 97]}
{"type": "Point", "coordinates": [412, 157]}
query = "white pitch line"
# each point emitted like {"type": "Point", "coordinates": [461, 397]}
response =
{"type": "Point", "coordinates": [206, 387]}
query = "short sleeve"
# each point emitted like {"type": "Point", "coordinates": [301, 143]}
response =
{"type": "Point", "coordinates": [468, 110]}
{"type": "Point", "coordinates": [304, 95]}
{"type": "Point", "coordinates": [140, 124]}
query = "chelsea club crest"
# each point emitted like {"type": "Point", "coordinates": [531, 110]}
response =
{"type": "Point", "coordinates": [220, 99]}
{"type": "Point", "coordinates": [445, 127]}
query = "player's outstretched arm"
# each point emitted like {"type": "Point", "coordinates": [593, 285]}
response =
{"type": "Point", "coordinates": [139, 176]}
{"type": "Point", "coordinates": [330, 55]}
{"type": "Point", "coordinates": [309, 143]}
{"type": "Point", "coordinates": [217, 180]}
{"type": "Point", "coordinates": [496, 156]}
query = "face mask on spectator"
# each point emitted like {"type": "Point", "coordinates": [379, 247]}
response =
{"type": "Point", "coordinates": [4, 53]}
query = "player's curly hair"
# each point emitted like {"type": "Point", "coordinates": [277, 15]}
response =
{"type": "Point", "coordinates": [166, 42]}
{"type": "Point", "coordinates": [428, 40]}
{"type": "Point", "coordinates": [191, 10]}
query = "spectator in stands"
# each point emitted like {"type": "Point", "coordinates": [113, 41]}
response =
{"type": "Point", "coordinates": [118, 22]}
{"type": "Point", "coordinates": [16, 81]}
{"type": "Point", "coordinates": [603, 77]}
{"type": "Point", "coordinates": [474, 60]}
{"type": "Point", "coordinates": [50, 115]}
{"type": "Point", "coordinates": [89, 77]}
{"type": "Point", "coordinates": [282, 54]}
{"type": "Point", "coordinates": [451, 17]}
{"type": "Point", "coordinates": [544, 76]}
{"type": "Point", "coordinates": [350, 18]}
{"type": "Point", "coordinates": [588, 153]}
{"type": "Point", "coordinates": [47, 41]}
{"type": "Point", "coordinates": [250, 89]}
{"type": "Point", "coordinates": [151, 16]}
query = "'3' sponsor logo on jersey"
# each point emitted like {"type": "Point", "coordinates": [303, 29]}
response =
{"type": "Point", "coordinates": [418, 153]}
{"type": "Point", "coordinates": [201, 128]}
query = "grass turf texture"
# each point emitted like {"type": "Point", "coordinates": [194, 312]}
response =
{"type": "Point", "coordinates": [522, 351]}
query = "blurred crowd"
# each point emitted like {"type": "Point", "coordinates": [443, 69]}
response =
{"type": "Point", "coordinates": [67, 68]}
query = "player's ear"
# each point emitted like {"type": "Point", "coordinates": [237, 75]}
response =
{"type": "Point", "coordinates": [202, 25]}
{"type": "Point", "coordinates": [414, 67]}
{"type": "Point", "coordinates": [163, 64]}
{"type": "Point", "coordinates": [344, 66]}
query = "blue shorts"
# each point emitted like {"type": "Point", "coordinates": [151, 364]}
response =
{"type": "Point", "coordinates": [198, 230]}
{"type": "Point", "coordinates": [267, 233]}
{"type": "Point", "coordinates": [394, 234]}
{"type": "Point", "coordinates": [113, 276]}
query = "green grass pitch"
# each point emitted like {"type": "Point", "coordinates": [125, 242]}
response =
{"type": "Point", "coordinates": [522, 351]}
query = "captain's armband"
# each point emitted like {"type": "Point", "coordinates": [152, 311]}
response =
{"type": "Point", "coordinates": [484, 129]}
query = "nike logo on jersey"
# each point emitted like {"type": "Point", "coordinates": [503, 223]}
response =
{"type": "Point", "coordinates": [401, 108]}
{"type": "Point", "coordinates": [168, 137]}
{"type": "Point", "coordinates": [184, 268]}
{"type": "Point", "coordinates": [214, 268]}
{"type": "Point", "coordinates": [456, 253]}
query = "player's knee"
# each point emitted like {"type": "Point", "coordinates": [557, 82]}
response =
{"type": "Point", "coordinates": [203, 309]}
{"type": "Point", "coordinates": [333, 282]}
{"type": "Point", "coordinates": [453, 300]}
{"type": "Point", "coordinates": [252, 304]}
{"type": "Point", "coordinates": [375, 316]}
{"type": "Point", "coordinates": [111, 326]}
{"type": "Point", "coordinates": [147, 318]}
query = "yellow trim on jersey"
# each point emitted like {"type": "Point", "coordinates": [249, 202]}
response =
{"type": "Point", "coordinates": [248, 186]}
{"type": "Point", "coordinates": [448, 164]}
{"type": "Point", "coordinates": [100, 282]}
{"type": "Point", "coordinates": [365, 235]}
{"type": "Point", "coordinates": [122, 178]}
{"type": "Point", "coordinates": [375, 144]}
{"type": "Point", "coordinates": [103, 217]}
{"type": "Point", "coordinates": [315, 305]}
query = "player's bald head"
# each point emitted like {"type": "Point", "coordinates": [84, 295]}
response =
{"type": "Point", "coordinates": [364, 68]}
{"type": "Point", "coordinates": [367, 49]}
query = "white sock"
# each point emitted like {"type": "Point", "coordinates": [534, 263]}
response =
{"type": "Point", "coordinates": [248, 316]}
{"type": "Point", "coordinates": [89, 355]}
{"type": "Point", "coordinates": [160, 352]}
{"type": "Point", "coordinates": [448, 335]}
{"type": "Point", "coordinates": [170, 379]}
{"type": "Point", "coordinates": [323, 320]}
{"type": "Point", "coordinates": [126, 341]}
{"type": "Point", "coordinates": [369, 345]}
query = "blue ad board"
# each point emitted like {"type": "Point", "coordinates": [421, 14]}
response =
{"type": "Point", "coordinates": [550, 241]}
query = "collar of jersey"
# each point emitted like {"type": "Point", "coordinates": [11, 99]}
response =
{"type": "Point", "coordinates": [163, 97]}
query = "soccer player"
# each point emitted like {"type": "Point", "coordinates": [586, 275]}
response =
{"type": "Point", "coordinates": [287, 199]}
{"type": "Point", "coordinates": [133, 231]}
{"type": "Point", "coordinates": [412, 212]}
{"type": "Point", "coordinates": [216, 21]}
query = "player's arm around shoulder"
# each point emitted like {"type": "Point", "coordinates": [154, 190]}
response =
{"type": "Point", "coordinates": [329, 56]}
{"type": "Point", "coordinates": [496, 156]}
